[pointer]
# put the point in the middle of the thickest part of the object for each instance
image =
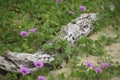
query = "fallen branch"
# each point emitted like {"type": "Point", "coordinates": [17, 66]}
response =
{"type": "Point", "coordinates": [81, 26]}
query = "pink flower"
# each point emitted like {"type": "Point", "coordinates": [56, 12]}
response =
{"type": "Point", "coordinates": [82, 8]}
{"type": "Point", "coordinates": [98, 70]}
{"type": "Point", "coordinates": [41, 78]}
{"type": "Point", "coordinates": [104, 65]}
{"type": "Point", "coordinates": [24, 33]}
{"type": "Point", "coordinates": [33, 30]}
{"type": "Point", "coordinates": [89, 64]}
{"type": "Point", "coordinates": [24, 70]}
{"type": "Point", "coordinates": [58, 1]}
{"type": "Point", "coordinates": [71, 12]}
{"type": "Point", "coordinates": [38, 64]}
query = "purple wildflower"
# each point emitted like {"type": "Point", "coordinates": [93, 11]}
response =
{"type": "Point", "coordinates": [58, 1]}
{"type": "Point", "coordinates": [24, 33]}
{"type": "Point", "coordinates": [24, 70]}
{"type": "Point", "coordinates": [82, 8]}
{"type": "Point", "coordinates": [89, 64]}
{"type": "Point", "coordinates": [71, 12]}
{"type": "Point", "coordinates": [41, 78]}
{"type": "Point", "coordinates": [38, 64]}
{"type": "Point", "coordinates": [98, 70]}
{"type": "Point", "coordinates": [104, 65]}
{"type": "Point", "coordinates": [33, 30]}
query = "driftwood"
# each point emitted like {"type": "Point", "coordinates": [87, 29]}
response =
{"type": "Point", "coordinates": [81, 26]}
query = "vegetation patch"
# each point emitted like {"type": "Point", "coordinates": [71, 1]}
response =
{"type": "Point", "coordinates": [27, 25]}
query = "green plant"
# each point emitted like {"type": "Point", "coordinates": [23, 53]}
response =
{"type": "Point", "coordinates": [48, 17]}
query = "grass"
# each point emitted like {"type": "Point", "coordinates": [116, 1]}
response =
{"type": "Point", "coordinates": [48, 17]}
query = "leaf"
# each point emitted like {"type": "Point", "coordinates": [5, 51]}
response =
{"type": "Point", "coordinates": [51, 77]}
{"type": "Point", "coordinates": [57, 46]}
{"type": "Point", "coordinates": [11, 76]}
{"type": "Point", "coordinates": [25, 77]}
{"type": "Point", "coordinates": [17, 50]}
{"type": "Point", "coordinates": [47, 47]}
{"type": "Point", "coordinates": [62, 76]}
{"type": "Point", "coordinates": [8, 76]}
{"type": "Point", "coordinates": [0, 30]}
{"type": "Point", "coordinates": [25, 46]}
{"type": "Point", "coordinates": [82, 40]}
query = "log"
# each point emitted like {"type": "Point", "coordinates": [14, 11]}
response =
{"type": "Point", "coordinates": [81, 26]}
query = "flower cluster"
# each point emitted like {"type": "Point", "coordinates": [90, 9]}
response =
{"type": "Point", "coordinates": [38, 64]}
{"type": "Point", "coordinates": [26, 70]}
{"type": "Point", "coordinates": [25, 33]}
{"type": "Point", "coordinates": [58, 1]}
{"type": "Point", "coordinates": [32, 30]}
{"type": "Point", "coordinates": [41, 78]}
{"type": "Point", "coordinates": [104, 65]}
{"type": "Point", "coordinates": [82, 8]}
{"type": "Point", "coordinates": [71, 12]}
{"type": "Point", "coordinates": [97, 69]}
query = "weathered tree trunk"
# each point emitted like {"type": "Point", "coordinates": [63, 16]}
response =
{"type": "Point", "coordinates": [81, 26]}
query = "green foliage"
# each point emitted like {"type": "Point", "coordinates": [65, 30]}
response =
{"type": "Point", "coordinates": [26, 78]}
{"type": "Point", "coordinates": [48, 17]}
{"type": "Point", "coordinates": [89, 46]}
{"type": "Point", "coordinates": [11, 76]}
{"type": "Point", "coordinates": [51, 77]}
{"type": "Point", "coordinates": [23, 15]}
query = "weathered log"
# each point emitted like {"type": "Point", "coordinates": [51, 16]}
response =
{"type": "Point", "coordinates": [12, 61]}
{"type": "Point", "coordinates": [81, 26]}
